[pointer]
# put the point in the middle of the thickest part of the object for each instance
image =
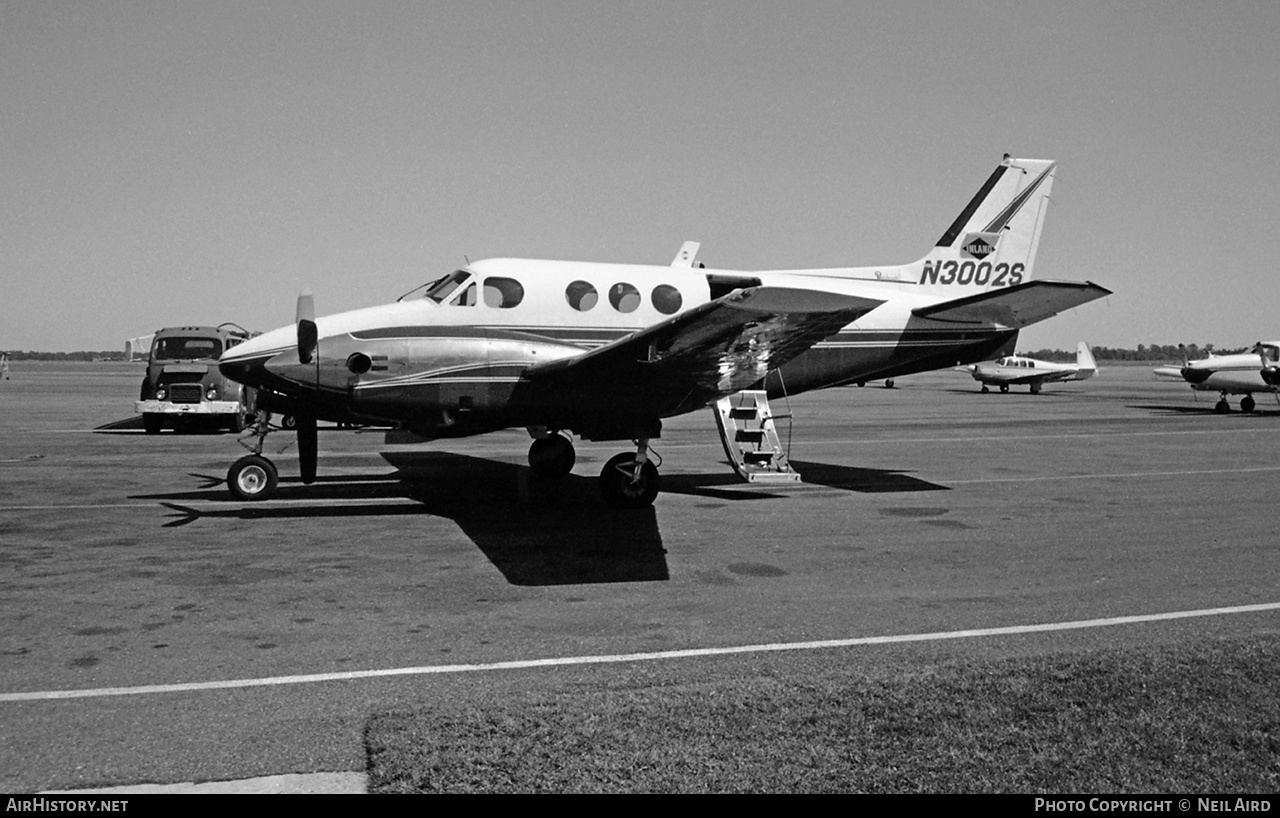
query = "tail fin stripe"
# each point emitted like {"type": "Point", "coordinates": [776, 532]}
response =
{"type": "Point", "coordinates": [953, 232]}
{"type": "Point", "coordinates": [999, 222]}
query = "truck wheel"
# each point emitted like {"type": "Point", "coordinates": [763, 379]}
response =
{"type": "Point", "coordinates": [252, 477]}
{"type": "Point", "coordinates": [153, 422]}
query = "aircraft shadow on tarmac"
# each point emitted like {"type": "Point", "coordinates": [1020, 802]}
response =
{"type": "Point", "coordinates": [1201, 409]}
{"type": "Point", "coordinates": [866, 481]}
{"type": "Point", "coordinates": [536, 531]}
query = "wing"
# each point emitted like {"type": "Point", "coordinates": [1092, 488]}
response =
{"type": "Point", "coordinates": [1043, 377]}
{"type": "Point", "coordinates": [691, 359]}
{"type": "Point", "coordinates": [1016, 306]}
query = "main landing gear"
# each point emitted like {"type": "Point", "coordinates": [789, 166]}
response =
{"type": "Point", "coordinates": [627, 481]}
{"type": "Point", "coordinates": [630, 480]}
{"type": "Point", "coordinates": [551, 454]}
{"type": "Point", "coordinates": [1246, 404]}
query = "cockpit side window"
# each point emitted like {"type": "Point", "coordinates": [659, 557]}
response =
{"type": "Point", "coordinates": [1272, 352]}
{"type": "Point", "coordinates": [466, 298]}
{"type": "Point", "coordinates": [503, 293]}
{"type": "Point", "coordinates": [441, 289]}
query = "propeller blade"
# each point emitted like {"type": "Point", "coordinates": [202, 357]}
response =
{"type": "Point", "coordinates": [308, 444]}
{"type": "Point", "coordinates": [308, 335]}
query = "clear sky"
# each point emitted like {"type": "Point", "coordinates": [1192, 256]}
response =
{"type": "Point", "coordinates": [198, 162]}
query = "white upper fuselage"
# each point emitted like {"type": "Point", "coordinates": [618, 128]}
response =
{"type": "Point", "coordinates": [588, 304]}
{"type": "Point", "coordinates": [1014, 369]}
{"type": "Point", "coordinates": [1237, 374]}
{"type": "Point", "coordinates": [1018, 369]}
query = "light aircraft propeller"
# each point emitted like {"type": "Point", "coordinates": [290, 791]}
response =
{"type": "Point", "coordinates": [305, 416]}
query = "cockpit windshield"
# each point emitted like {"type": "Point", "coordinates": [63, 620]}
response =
{"type": "Point", "coordinates": [186, 349]}
{"type": "Point", "coordinates": [442, 288]}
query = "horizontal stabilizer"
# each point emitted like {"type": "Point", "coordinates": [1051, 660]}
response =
{"type": "Point", "coordinates": [1017, 306]}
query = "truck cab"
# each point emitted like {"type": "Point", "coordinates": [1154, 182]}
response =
{"type": "Point", "coordinates": [183, 388]}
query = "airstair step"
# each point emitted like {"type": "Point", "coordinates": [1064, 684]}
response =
{"type": "Point", "coordinates": [750, 440]}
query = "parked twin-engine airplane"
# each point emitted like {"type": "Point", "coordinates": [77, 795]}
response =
{"type": "Point", "coordinates": [1237, 374]}
{"type": "Point", "coordinates": [1017, 370]}
{"type": "Point", "coordinates": [606, 351]}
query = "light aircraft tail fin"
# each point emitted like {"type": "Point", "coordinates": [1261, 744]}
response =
{"type": "Point", "coordinates": [1084, 360]}
{"type": "Point", "coordinates": [992, 243]}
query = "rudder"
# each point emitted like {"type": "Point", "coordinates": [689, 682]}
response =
{"type": "Point", "coordinates": [993, 242]}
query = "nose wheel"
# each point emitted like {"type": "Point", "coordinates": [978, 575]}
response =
{"type": "Point", "coordinates": [252, 477]}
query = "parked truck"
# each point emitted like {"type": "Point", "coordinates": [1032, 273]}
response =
{"type": "Point", "coordinates": [183, 388]}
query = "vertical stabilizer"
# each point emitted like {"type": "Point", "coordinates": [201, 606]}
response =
{"type": "Point", "coordinates": [1084, 361]}
{"type": "Point", "coordinates": [992, 243]}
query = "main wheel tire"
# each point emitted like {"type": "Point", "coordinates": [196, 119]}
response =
{"type": "Point", "coordinates": [152, 422]}
{"type": "Point", "coordinates": [252, 477]}
{"type": "Point", "coordinates": [1222, 407]}
{"type": "Point", "coordinates": [289, 422]}
{"type": "Point", "coordinates": [552, 456]}
{"type": "Point", "coordinates": [617, 487]}
{"type": "Point", "coordinates": [1004, 387]}
{"type": "Point", "coordinates": [1247, 404]}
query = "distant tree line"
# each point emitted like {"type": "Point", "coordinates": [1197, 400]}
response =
{"type": "Point", "coordinates": [1155, 352]}
{"type": "Point", "coordinates": [84, 355]}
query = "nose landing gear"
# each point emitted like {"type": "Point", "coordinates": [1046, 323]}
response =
{"type": "Point", "coordinates": [254, 477]}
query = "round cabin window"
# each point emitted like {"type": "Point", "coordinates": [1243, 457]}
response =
{"type": "Point", "coordinates": [666, 299]}
{"type": "Point", "coordinates": [624, 297]}
{"type": "Point", "coordinates": [581, 296]}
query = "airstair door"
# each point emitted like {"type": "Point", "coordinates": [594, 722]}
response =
{"type": "Point", "coordinates": [750, 438]}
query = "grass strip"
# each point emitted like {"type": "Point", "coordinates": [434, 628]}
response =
{"type": "Point", "coordinates": [1199, 718]}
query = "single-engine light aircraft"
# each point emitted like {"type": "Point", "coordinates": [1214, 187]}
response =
{"type": "Point", "coordinates": [1017, 370]}
{"type": "Point", "coordinates": [1269, 352]}
{"type": "Point", "coordinates": [1237, 374]}
{"type": "Point", "coordinates": [607, 351]}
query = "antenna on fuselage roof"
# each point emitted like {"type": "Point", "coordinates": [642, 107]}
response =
{"type": "Point", "coordinates": [467, 260]}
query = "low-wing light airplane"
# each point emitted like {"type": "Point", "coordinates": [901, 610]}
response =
{"type": "Point", "coordinates": [1269, 352]}
{"type": "Point", "coordinates": [1237, 374]}
{"type": "Point", "coordinates": [1013, 370]}
{"type": "Point", "coordinates": [606, 351]}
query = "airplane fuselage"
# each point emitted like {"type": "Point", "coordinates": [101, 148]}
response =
{"type": "Point", "coordinates": [607, 351]}
{"type": "Point", "coordinates": [1227, 374]}
{"type": "Point", "coordinates": [449, 362]}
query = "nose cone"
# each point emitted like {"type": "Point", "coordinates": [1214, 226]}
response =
{"type": "Point", "coordinates": [1193, 374]}
{"type": "Point", "coordinates": [246, 363]}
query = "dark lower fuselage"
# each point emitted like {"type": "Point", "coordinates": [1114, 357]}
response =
{"type": "Point", "coordinates": [454, 382]}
